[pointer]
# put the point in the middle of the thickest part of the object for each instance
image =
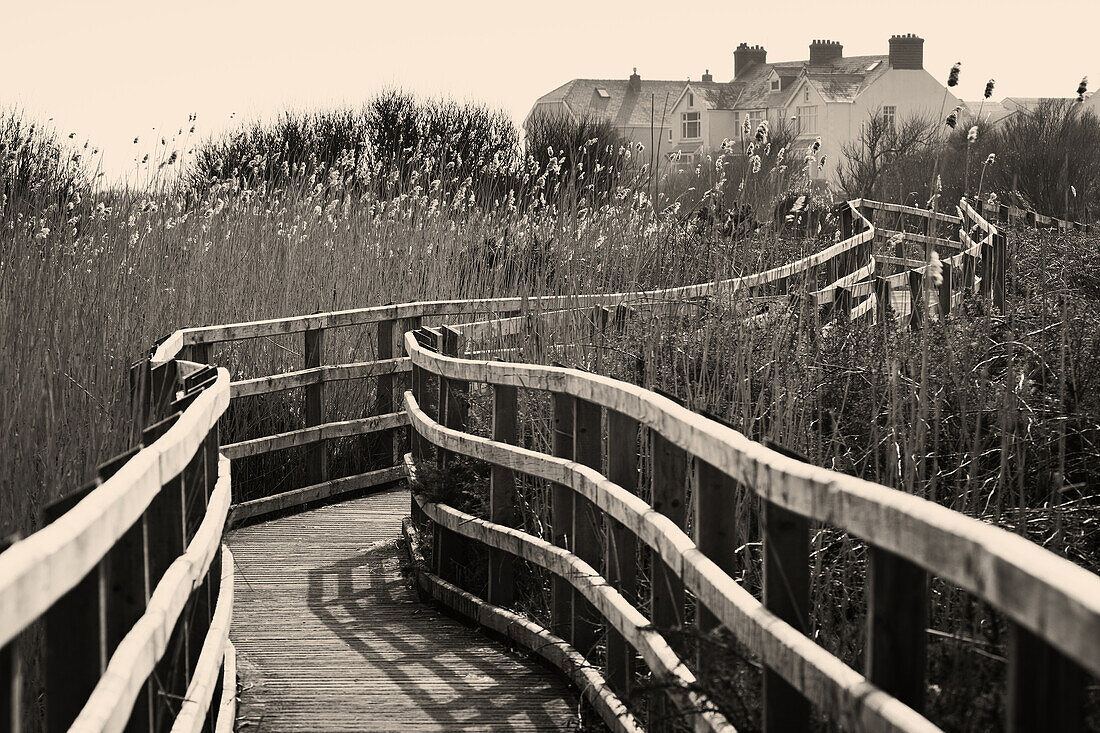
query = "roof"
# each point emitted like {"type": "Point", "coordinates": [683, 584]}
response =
{"type": "Point", "coordinates": [841, 81]}
{"type": "Point", "coordinates": [991, 112]}
{"type": "Point", "coordinates": [629, 108]}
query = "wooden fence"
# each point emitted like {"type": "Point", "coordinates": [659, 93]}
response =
{"type": "Point", "coordinates": [135, 599]}
{"type": "Point", "coordinates": [128, 581]}
{"type": "Point", "coordinates": [599, 428]}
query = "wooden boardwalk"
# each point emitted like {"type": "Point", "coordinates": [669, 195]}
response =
{"type": "Point", "coordinates": [330, 636]}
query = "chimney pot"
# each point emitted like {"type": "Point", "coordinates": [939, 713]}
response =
{"type": "Point", "coordinates": [635, 81]}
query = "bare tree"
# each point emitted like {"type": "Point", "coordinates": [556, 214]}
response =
{"type": "Point", "coordinates": [886, 150]}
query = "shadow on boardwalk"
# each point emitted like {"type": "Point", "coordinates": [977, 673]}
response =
{"type": "Point", "coordinates": [331, 637]}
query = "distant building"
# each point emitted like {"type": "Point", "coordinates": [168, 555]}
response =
{"type": "Point", "coordinates": [996, 113]}
{"type": "Point", "coordinates": [828, 95]}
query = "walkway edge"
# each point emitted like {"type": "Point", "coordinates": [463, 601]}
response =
{"type": "Point", "coordinates": [524, 632]}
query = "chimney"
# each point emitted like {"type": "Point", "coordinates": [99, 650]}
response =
{"type": "Point", "coordinates": [906, 52]}
{"type": "Point", "coordinates": [745, 56]}
{"type": "Point", "coordinates": [707, 76]}
{"type": "Point", "coordinates": [825, 53]}
{"type": "Point", "coordinates": [635, 81]}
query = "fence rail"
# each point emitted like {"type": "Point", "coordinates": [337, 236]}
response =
{"type": "Point", "coordinates": [129, 578]}
{"type": "Point", "coordinates": [130, 573]}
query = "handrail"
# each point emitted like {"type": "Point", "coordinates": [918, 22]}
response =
{"type": "Point", "coordinates": [824, 679]}
{"type": "Point", "coordinates": [1049, 595]}
{"type": "Point", "coordinates": [37, 571]}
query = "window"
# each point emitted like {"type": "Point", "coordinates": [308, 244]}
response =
{"type": "Point", "coordinates": [775, 85]}
{"type": "Point", "coordinates": [681, 158]}
{"type": "Point", "coordinates": [889, 116]}
{"type": "Point", "coordinates": [806, 95]}
{"type": "Point", "coordinates": [670, 134]}
{"type": "Point", "coordinates": [755, 118]}
{"type": "Point", "coordinates": [602, 93]}
{"type": "Point", "coordinates": [691, 99]}
{"type": "Point", "coordinates": [691, 125]}
{"type": "Point", "coordinates": [807, 120]}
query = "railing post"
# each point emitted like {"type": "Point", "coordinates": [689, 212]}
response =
{"type": "Point", "coordinates": [1046, 691]}
{"type": "Point", "coordinates": [621, 550]}
{"type": "Point", "coordinates": [11, 673]}
{"type": "Point", "coordinates": [916, 300]}
{"type": "Point", "coordinates": [561, 514]}
{"type": "Point", "coordinates": [502, 497]}
{"type": "Point", "coordinates": [317, 462]}
{"type": "Point", "coordinates": [385, 446]}
{"type": "Point", "coordinates": [787, 595]}
{"type": "Point", "coordinates": [715, 535]}
{"type": "Point", "coordinates": [945, 289]}
{"type": "Point", "coordinates": [669, 497]}
{"type": "Point", "coordinates": [75, 636]}
{"type": "Point", "coordinates": [199, 353]}
{"type": "Point", "coordinates": [127, 594]}
{"type": "Point", "coordinates": [897, 616]}
{"type": "Point", "coordinates": [1000, 254]}
{"type": "Point", "coordinates": [587, 527]}
{"type": "Point", "coordinates": [453, 554]}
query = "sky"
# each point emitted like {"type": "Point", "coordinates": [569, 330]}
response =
{"type": "Point", "coordinates": [113, 70]}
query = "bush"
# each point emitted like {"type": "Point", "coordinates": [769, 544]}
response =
{"type": "Point", "coordinates": [36, 171]}
{"type": "Point", "coordinates": [392, 143]}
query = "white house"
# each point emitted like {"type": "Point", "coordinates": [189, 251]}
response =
{"type": "Point", "coordinates": [828, 95]}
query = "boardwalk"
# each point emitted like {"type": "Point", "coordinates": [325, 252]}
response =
{"type": "Point", "coordinates": [330, 636]}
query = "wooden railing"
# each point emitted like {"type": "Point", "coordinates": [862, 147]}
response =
{"type": "Point", "coordinates": [129, 580]}
{"type": "Point", "coordinates": [695, 465]}
{"type": "Point", "coordinates": [126, 572]}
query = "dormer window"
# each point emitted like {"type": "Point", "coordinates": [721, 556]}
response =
{"type": "Point", "coordinates": [775, 85]}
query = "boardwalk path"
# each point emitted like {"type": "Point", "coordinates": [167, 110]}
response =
{"type": "Point", "coordinates": [330, 637]}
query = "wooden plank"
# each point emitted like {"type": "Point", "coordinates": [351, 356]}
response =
{"type": "Point", "coordinates": [307, 436]}
{"type": "Point", "coordinates": [1046, 691]}
{"type": "Point", "coordinates": [381, 368]}
{"type": "Point", "coordinates": [328, 490]}
{"type": "Point", "coordinates": [897, 616]}
{"type": "Point", "coordinates": [561, 513]}
{"type": "Point", "coordinates": [317, 456]}
{"type": "Point", "coordinates": [226, 720]}
{"type": "Point", "coordinates": [336, 638]}
{"type": "Point", "coordinates": [839, 691]}
{"type": "Point", "coordinates": [502, 497]}
{"type": "Point", "coordinates": [111, 702]}
{"type": "Point", "coordinates": [587, 520]}
{"type": "Point", "coordinates": [200, 693]}
{"type": "Point", "coordinates": [621, 552]}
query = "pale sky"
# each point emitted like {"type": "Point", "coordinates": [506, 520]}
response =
{"type": "Point", "coordinates": [114, 69]}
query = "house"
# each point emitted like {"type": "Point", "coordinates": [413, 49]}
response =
{"type": "Point", "coordinates": [996, 113]}
{"type": "Point", "coordinates": [829, 95]}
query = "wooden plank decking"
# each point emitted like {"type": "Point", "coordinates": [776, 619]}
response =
{"type": "Point", "coordinates": [330, 636]}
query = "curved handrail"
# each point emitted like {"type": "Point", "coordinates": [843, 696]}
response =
{"type": "Point", "coordinates": [37, 571]}
{"type": "Point", "coordinates": [823, 678]}
{"type": "Point", "coordinates": [1055, 598]}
